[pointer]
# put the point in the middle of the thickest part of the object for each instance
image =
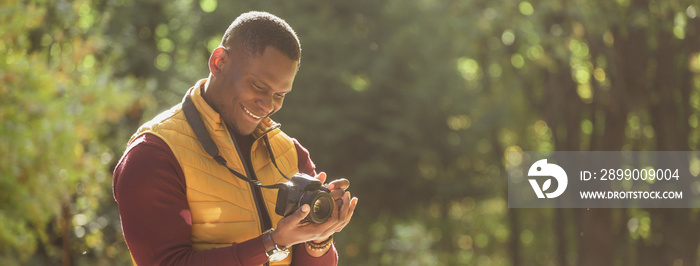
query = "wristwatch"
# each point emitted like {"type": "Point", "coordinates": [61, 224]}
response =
{"type": "Point", "coordinates": [274, 253]}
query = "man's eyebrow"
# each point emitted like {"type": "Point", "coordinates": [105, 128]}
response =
{"type": "Point", "coordinates": [258, 82]}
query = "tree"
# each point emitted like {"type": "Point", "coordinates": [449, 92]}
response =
{"type": "Point", "coordinates": [58, 100]}
{"type": "Point", "coordinates": [414, 102]}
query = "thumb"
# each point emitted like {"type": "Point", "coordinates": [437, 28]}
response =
{"type": "Point", "coordinates": [301, 213]}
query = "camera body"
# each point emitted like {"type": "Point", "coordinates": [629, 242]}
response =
{"type": "Point", "coordinates": [305, 189]}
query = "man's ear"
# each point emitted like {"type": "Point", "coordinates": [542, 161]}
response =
{"type": "Point", "coordinates": [217, 59]}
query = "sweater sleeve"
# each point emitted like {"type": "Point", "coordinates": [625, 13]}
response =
{"type": "Point", "coordinates": [301, 257]}
{"type": "Point", "coordinates": [306, 166]}
{"type": "Point", "coordinates": [149, 187]}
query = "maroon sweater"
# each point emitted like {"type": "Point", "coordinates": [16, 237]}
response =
{"type": "Point", "coordinates": [149, 187]}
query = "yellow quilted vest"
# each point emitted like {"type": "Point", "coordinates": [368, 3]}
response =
{"type": "Point", "coordinates": [223, 207]}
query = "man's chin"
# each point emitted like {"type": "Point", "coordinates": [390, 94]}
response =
{"type": "Point", "coordinates": [243, 131]}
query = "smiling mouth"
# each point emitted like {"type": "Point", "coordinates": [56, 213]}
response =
{"type": "Point", "coordinates": [251, 113]}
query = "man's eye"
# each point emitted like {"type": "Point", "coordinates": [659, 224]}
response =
{"type": "Point", "coordinates": [279, 96]}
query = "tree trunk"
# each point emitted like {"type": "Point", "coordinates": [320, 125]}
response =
{"type": "Point", "coordinates": [67, 225]}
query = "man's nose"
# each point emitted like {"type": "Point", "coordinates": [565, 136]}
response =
{"type": "Point", "coordinates": [265, 103]}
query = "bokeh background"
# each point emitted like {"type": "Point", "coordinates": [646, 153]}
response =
{"type": "Point", "coordinates": [414, 101]}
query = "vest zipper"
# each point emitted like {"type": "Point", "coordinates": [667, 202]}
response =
{"type": "Point", "coordinates": [247, 172]}
{"type": "Point", "coordinates": [273, 127]}
{"type": "Point", "coordinates": [252, 192]}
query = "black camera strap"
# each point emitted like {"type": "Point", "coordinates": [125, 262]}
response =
{"type": "Point", "coordinates": [200, 130]}
{"type": "Point", "coordinates": [272, 158]}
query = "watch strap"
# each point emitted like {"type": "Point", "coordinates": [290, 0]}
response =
{"type": "Point", "coordinates": [273, 251]}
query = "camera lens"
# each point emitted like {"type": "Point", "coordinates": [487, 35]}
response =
{"type": "Point", "coordinates": [321, 204]}
{"type": "Point", "coordinates": [318, 205]}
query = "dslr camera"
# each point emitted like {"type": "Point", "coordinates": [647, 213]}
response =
{"type": "Point", "coordinates": [305, 189]}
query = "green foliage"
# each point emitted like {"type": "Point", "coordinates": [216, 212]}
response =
{"type": "Point", "coordinates": [414, 101]}
{"type": "Point", "coordinates": [58, 99]}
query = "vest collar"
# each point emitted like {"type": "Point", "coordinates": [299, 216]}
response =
{"type": "Point", "coordinates": [213, 118]}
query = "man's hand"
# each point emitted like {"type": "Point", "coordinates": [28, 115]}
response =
{"type": "Point", "coordinates": [293, 229]}
{"type": "Point", "coordinates": [343, 202]}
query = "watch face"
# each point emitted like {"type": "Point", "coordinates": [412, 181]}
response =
{"type": "Point", "coordinates": [277, 255]}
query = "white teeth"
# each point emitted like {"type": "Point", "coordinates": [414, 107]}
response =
{"type": "Point", "coordinates": [251, 114]}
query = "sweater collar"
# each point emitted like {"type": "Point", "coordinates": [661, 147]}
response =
{"type": "Point", "coordinates": [213, 118]}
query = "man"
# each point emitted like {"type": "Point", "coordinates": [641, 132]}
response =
{"type": "Point", "coordinates": [180, 206]}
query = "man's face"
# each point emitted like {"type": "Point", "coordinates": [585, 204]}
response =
{"type": "Point", "coordinates": [250, 88]}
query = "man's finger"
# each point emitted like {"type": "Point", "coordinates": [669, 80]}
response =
{"type": "Point", "coordinates": [351, 211]}
{"type": "Point", "coordinates": [337, 194]}
{"type": "Point", "coordinates": [344, 207]}
{"type": "Point", "coordinates": [301, 213]}
{"type": "Point", "coordinates": [322, 177]}
{"type": "Point", "coordinates": [339, 184]}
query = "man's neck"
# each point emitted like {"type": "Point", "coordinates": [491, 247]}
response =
{"type": "Point", "coordinates": [245, 142]}
{"type": "Point", "coordinates": [204, 89]}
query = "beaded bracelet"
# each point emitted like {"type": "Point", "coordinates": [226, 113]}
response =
{"type": "Point", "coordinates": [313, 246]}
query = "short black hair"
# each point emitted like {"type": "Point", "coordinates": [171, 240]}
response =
{"type": "Point", "coordinates": [254, 31]}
